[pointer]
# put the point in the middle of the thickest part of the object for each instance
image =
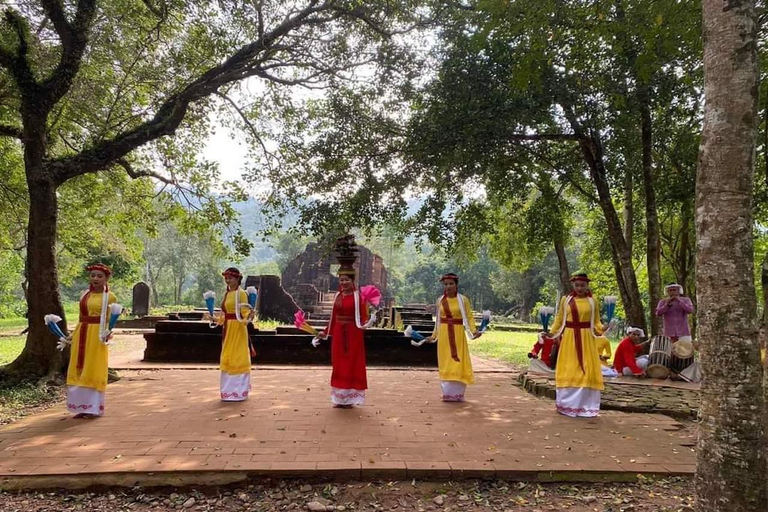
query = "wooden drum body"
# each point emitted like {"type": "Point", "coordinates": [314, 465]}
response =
{"type": "Point", "coordinates": [659, 358]}
{"type": "Point", "coordinates": [682, 356]}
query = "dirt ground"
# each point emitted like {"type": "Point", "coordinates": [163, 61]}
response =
{"type": "Point", "coordinates": [674, 494]}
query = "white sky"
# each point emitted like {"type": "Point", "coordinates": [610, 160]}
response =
{"type": "Point", "coordinates": [229, 150]}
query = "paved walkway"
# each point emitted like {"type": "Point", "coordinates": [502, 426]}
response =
{"type": "Point", "coordinates": [170, 423]}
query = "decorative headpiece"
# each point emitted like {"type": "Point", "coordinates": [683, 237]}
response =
{"type": "Point", "coordinates": [100, 267]}
{"type": "Point", "coordinates": [580, 277]}
{"type": "Point", "coordinates": [636, 330]}
{"type": "Point", "coordinates": [450, 275]}
{"type": "Point", "coordinates": [346, 255]}
{"type": "Point", "coordinates": [232, 271]}
{"type": "Point", "coordinates": [675, 285]}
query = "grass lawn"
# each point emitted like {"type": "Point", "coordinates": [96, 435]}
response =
{"type": "Point", "coordinates": [10, 347]}
{"type": "Point", "coordinates": [510, 347]}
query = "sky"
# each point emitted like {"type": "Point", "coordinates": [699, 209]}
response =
{"type": "Point", "coordinates": [229, 150]}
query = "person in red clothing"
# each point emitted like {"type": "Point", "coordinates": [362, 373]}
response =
{"type": "Point", "coordinates": [543, 350]}
{"type": "Point", "coordinates": [349, 319]}
{"type": "Point", "coordinates": [626, 360]}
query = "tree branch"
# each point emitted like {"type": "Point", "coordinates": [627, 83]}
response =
{"type": "Point", "coordinates": [55, 12]}
{"type": "Point", "coordinates": [544, 136]}
{"type": "Point", "coordinates": [17, 63]}
{"type": "Point", "coordinates": [133, 173]}
{"type": "Point", "coordinates": [10, 131]}
{"type": "Point", "coordinates": [73, 44]}
{"type": "Point", "coordinates": [171, 113]}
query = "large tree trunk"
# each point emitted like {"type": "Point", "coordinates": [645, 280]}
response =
{"type": "Point", "coordinates": [629, 210]}
{"type": "Point", "coordinates": [562, 262]}
{"type": "Point", "coordinates": [592, 152]}
{"type": "Point", "coordinates": [40, 357]}
{"type": "Point", "coordinates": [653, 237]}
{"type": "Point", "coordinates": [731, 473]}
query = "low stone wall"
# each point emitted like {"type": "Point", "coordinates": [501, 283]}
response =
{"type": "Point", "coordinates": [674, 402]}
{"type": "Point", "coordinates": [196, 342]}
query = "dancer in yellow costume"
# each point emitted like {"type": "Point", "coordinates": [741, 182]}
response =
{"type": "Point", "coordinates": [603, 350]}
{"type": "Point", "coordinates": [453, 322]}
{"type": "Point", "coordinates": [236, 349]}
{"type": "Point", "coordinates": [89, 359]}
{"type": "Point", "coordinates": [578, 376]}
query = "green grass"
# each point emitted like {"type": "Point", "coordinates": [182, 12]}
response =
{"type": "Point", "coordinates": [510, 347]}
{"type": "Point", "coordinates": [268, 324]}
{"type": "Point", "coordinates": [12, 324]}
{"type": "Point", "coordinates": [10, 348]}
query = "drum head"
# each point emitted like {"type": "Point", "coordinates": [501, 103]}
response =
{"type": "Point", "coordinates": [657, 371]}
{"type": "Point", "coordinates": [683, 349]}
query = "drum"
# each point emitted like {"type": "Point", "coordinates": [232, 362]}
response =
{"type": "Point", "coordinates": [682, 356]}
{"type": "Point", "coordinates": [659, 358]}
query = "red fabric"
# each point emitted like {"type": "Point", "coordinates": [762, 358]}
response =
{"type": "Point", "coordinates": [545, 350]}
{"type": "Point", "coordinates": [83, 331]}
{"type": "Point", "coordinates": [85, 319]}
{"type": "Point", "coordinates": [232, 316]}
{"type": "Point", "coordinates": [347, 345]}
{"type": "Point", "coordinates": [625, 357]}
{"type": "Point", "coordinates": [577, 327]}
{"type": "Point", "coordinates": [100, 267]}
{"type": "Point", "coordinates": [448, 319]}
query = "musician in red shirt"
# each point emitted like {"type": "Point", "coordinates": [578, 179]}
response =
{"type": "Point", "coordinates": [626, 360]}
{"type": "Point", "coordinates": [543, 349]}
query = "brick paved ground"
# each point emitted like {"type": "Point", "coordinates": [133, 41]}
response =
{"type": "Point", "coordinates": [171, 422]}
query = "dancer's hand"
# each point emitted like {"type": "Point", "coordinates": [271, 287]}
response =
{"type": "Point", "coordinates": [315, 342]}
{"type": "Point", "coordinates": [476, 334]}
{"type": "Point", "coordinates": [62, 344]}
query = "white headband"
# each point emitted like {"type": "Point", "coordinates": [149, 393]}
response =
{"type": "Point", "coordinates": [636, 330]}
{"type": "Point", "coordinates": [675, 285]}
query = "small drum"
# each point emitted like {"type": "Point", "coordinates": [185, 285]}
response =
{"type": "Point", "coordinates": [659, 358]}
{"type": "Point", "coordinates": [682, 356]}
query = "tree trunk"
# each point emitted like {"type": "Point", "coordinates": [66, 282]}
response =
{"type": "Point", "coordinates": [620, 255]}
{"type": "Point", "coordinates": [684, 265]}
{"type": "Point", "coordinates": [40, 357]}
{"type": "Point", "coordinates": [629, 210]}
{"type": "Point", "coordinates": [731, 472]}
{"type": "Point", "coordinates": [653, 237]}
{"type": "Point", "coordinates": [764, 285]}
{"type": "Point", "coordinates": [592, 152]}
{"type": "Point", "coordinates": [562, 262]}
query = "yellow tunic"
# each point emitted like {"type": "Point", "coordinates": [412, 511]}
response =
{"type": "Point", "coordinates": [604, 349]}
{"type": "Point", "coordinates": [568, 373]}
{"type": "Point", "coordinates": [449, 368]}
{"type": "Point", "coordinates": [96, 354]}
{"type": "Point", "coordinates": [235, 354]}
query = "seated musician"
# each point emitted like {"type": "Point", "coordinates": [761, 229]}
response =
{"type": "Point", "coordinates": [546, 349]}
{"type": "Point", "coordinates": [626, 360]}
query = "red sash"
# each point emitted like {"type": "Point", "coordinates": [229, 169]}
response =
{"type": "Point", "coordinates": [84, 321]}
{"type": "Point", "coordinates": [233, 316]}
{"type": "Point", "coordinates": [450, 321]}
{"type": "Point", "coordinates": [577, 327]}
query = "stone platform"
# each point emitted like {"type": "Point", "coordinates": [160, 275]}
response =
{"type": "Point", "coordinates": [676, 399]}
{"type": "Point", "coordinates": [168, 427]}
